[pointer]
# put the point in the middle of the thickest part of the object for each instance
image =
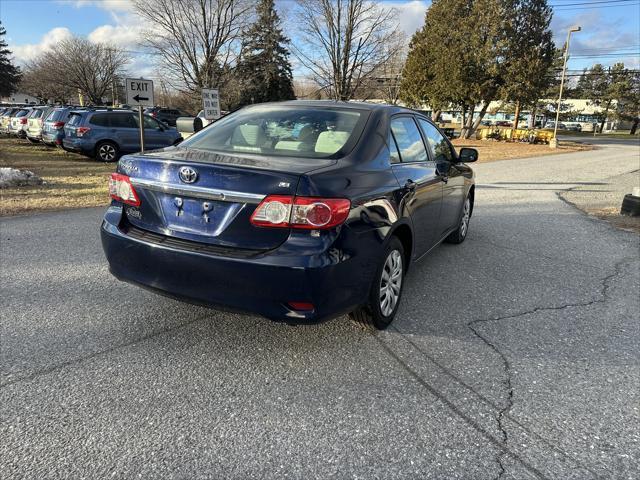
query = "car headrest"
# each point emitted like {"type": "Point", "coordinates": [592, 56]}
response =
{"type": "Point", "coordinates": [331, 141]}
{"type": "Point", "coordinates": [248, 135]}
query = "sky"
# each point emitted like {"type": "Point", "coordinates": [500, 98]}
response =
{"type": "Point", "coordinates": [610, 29]}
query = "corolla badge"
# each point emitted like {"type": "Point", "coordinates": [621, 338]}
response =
{"type": "Point", "coordinates": [187, 174]}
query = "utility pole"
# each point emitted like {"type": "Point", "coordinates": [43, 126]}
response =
{"type": "Point", "coordinates": [554, 141]}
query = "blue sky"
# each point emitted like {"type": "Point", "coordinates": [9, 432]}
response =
{"type": "Point", "coordinates": [611, 30]}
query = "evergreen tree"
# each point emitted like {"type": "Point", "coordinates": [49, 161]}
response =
{"type": "Point", "coordinates": [472, 52]}
{"type": "Point", "coordinates": [9, 73]}
{"type": "Point", "coordinates": [264, 68]}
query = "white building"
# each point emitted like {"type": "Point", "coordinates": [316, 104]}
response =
{"type": "Point", "coordinates": [19, 98]}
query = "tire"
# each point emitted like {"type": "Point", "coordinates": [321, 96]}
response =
{"type": "Point", "coordinates": [33, 140]}
{"type": "Point", "coordinates": [460, 233]}
{"type": "Point", "coordinates": [107, 152]}
{"type": "Point", "coordinates": [378, 313]}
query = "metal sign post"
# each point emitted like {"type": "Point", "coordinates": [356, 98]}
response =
{"type": "Point", "coordinates": [141, 123]}
{"type": "Point", "coordinates": [140, 94]}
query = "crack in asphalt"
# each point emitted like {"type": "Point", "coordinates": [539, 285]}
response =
{"type": "Point", "coordinates": [504, 411]}
{"type": "Point", "coordinates": [81, 359]}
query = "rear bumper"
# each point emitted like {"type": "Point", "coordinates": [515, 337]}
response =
{"type": "Point", "coordinates": [79, 145]}
{"type": "Point", "coordinates": [51, 138]}
{"type": "Point", "coordinates": [262, 284]}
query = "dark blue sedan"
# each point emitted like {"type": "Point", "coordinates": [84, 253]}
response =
{"type": "Point", "coordinates": [298, 211]}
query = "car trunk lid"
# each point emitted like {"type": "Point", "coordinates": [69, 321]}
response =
{"type": "Point", "coordinates": [212, 200]}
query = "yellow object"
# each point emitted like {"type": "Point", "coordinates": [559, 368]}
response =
{"type": "Point", "coordinates": [514, 135]}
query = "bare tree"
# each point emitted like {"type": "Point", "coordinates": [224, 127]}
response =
{"type": "Point", "coordinates": [77, 65]}
{"type": "Point", "coordinates": [197, 40]}
{"type": "Point", "coordinates": [343, 42]}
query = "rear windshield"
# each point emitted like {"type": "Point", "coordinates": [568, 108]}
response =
{"type": "Point", "coordinates": [58, 115]}
{"type": "Point", "coordinates": [37, 113]}
{"type": "Point", "coordinates": [286, 131]}
{"type": "Point", "coordinates": [22, 113]}
{"type": "Point", "coordinates": [74, 119]}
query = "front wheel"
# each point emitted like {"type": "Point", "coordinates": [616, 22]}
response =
{"type": "Point", "coordinates": [460, 234]}
{"type": "Point", "coordinates": [386, 290]}
{"type": "Point", "coordinates": [107, 152]}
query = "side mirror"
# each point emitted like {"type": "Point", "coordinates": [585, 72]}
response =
{"type": "Point", "coordinates": [468, 155]}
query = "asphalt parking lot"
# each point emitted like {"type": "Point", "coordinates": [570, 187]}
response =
{"type": "Point", "coordinates": [514, 355]}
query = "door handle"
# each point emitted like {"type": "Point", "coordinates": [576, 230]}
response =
{"type": "Point", "coordinates": [410, 185]}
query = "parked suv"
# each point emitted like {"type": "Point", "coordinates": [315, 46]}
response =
{"type": "Point", "coordinates": [18, 122]}
{"type": "Point", "coordinates": [166, 115]}
{"type": "Point", "coordinates": [53, 126]}
{"type": "Point", "coordinates": [5, 119]}
{"type": "Point", "coordinates": [106, 134]}
{"type": "Point", "coordinates": [35, 122]}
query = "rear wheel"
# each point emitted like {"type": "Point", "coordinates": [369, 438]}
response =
{"type": "Point", "coordinates": [107, 152]}
{"type": "Point", "coordinates": [460, 234]}
{"type": "Point", "coordinates": [33, 140]}
{"type": "Point", "coordinates": [386, 290]}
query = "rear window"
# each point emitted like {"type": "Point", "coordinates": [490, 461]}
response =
{"type": "Point", "coordinates": [22, 113]}
{"type": "Point", "coordinates": [37, 113]}
{"type": "Point", "coordinates": [57, 115]}
{"type": "Point", "coordinates": [74, 119]}
{"type": "Point", "coordinates": [303, 132]}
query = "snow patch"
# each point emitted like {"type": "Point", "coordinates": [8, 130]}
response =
{"type": "Point", "coordinates": [12, 177]}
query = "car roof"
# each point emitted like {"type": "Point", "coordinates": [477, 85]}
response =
{"type": "Point", "coordinates": [391, 109]}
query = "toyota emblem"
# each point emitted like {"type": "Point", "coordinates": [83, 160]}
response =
{"type": "Point", "coordinates": [188, 174]}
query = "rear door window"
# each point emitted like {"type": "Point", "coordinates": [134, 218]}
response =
{"type": "Point", "coordinates": [406, 133]}
{"type": "Point", "coordinates": [122, 120]}
{"type": "Point", "coordinates": [100, 119]}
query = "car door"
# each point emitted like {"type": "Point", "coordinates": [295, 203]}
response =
{"type": "Point", "coordinates": [445, 158]}
{"type": "Point", "coordinates": [125, 131]}
{"type": "Point", "coordinates": [154, 134]}
{"type": "Point", "coordinates": [417, 174]}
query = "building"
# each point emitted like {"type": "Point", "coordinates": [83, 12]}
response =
{"type": "Point", "coordinates": [19, 98]}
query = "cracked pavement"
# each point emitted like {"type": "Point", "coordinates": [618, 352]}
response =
{"type": "Point", "coordinates": [514, 355]}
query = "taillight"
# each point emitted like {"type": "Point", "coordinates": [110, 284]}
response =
{"type": "Point", "coordinates": [120, 189]}
{"type": "Point", "coordinates": [154, 114]}
{"type": "Point", "coordinates": [80, 131]}
{"type": "Point", "coordinates": [23, 121]}
{"type": "Point", "coordinates": [284, 211]}
{"type": "Point", "coordinates": [58, 125]}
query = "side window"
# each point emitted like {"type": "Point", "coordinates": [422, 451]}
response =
{"type": "Point", "coordinates": [409, 140]}
{"type": "Point", "coordinates": [394, 154]}
{"type": "Point", "coordinates": [148, 122]}
{"type": "Point", "coordinates": [100, 120]}
{"type": "Point", "coordinates": [438, 145]}
{"type": "Point", "coordinates": [122, 120]}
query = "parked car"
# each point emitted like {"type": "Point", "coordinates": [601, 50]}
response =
{"type": "Point", "coordinates": [298, 211]}
{"type": "Point", "coordinates": [503, 123]}
{"type": "Point", "coordinates": [166, 115]}
{"type": "Point", "coordinates": [18, 122]}
{"type": "Point", "coordinates": [53, 126]}
{"type": "Point", "coordinates": [106, 134]}
{"type": "Point", "coordinates": [35, 122]}
{"type": "Point", "coordinates": [5, 119]}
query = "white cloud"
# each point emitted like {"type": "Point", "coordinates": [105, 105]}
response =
{"type": "Point", "coordinates": [26, 52]}
{"type": "Point", "coordinates": [110, 5]}
{"type": "Point", "coordinates": [409, 15]}
{"type": "Point", "coordinates": [124, 36]}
